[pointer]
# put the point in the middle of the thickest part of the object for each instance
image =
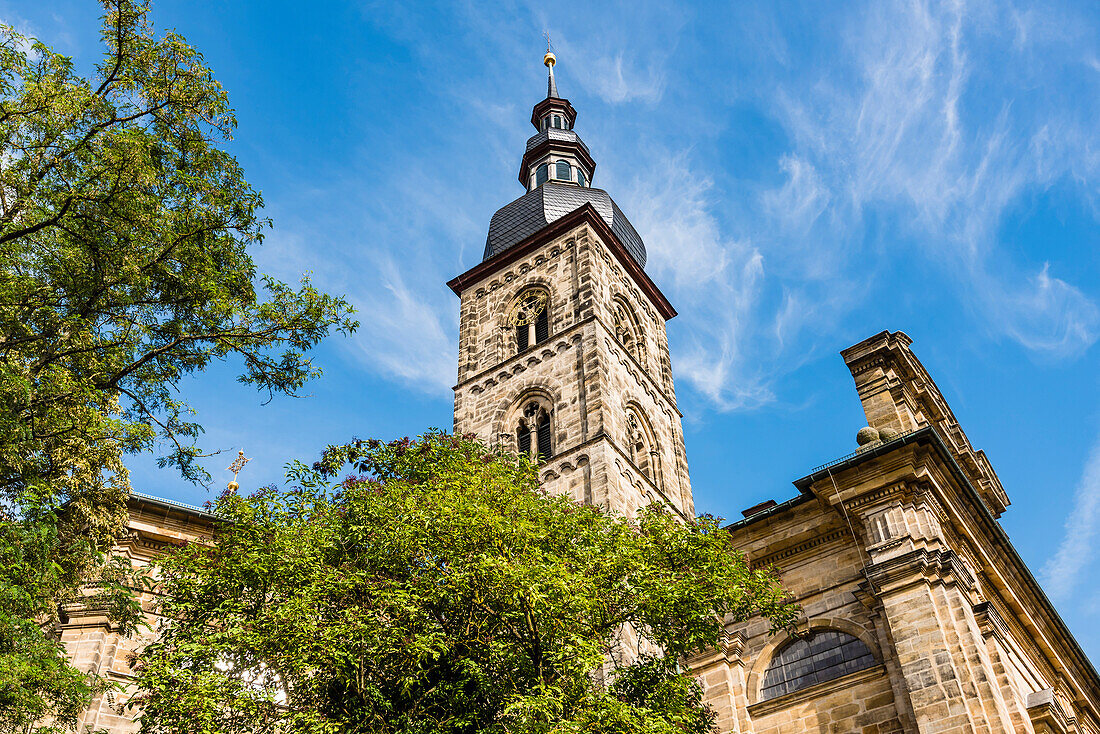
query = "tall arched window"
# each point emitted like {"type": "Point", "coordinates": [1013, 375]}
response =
{"type": "Point", "coordinates": [533, 432]}
{"type": "Point", "coordinates": [580, 177]}
{"type": "Point", "coordinates": [562, 173]}
{"type": "Point", "coordinates": [640, 446]}
{"type": "Point", "coordinates": [627, 330]}
{"type": "Point", "coordinates": [823, 656]}
{"type": "Point", "coordinates": [531, 319]}
{"type": "Point", "coordinates": [541, 174]}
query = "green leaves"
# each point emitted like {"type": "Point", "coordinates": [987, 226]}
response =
{"type": "Point", "coordinates": [125, 232]}
{"type": "Point", "coordinates": [438, 589]}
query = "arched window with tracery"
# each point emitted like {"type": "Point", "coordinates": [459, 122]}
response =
{"type": "Point", "coordinates": [627, 330]}
{"type": "Point", "coordinates": [640, 445]}
{"type": "Point", "coordinates": [823, 656]}
{"type": "Point", "coordinates": [531, 319]}
{"type": "Point", "coordinates": [533, 431]}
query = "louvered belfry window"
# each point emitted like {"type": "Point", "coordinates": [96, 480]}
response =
{"type": "Point", "coordinates": [563, 171]}
{"type": "Point", "coordinates": [541, 174]}
{"type": "Point", "coordinates": [533, 435]}
{"type": "Point", "coordinates": [524, 439]}
{"type": "Point", "coordinates": [522, 331]}
{"type": "Point", "coordinates": [544, 437]}
{"type": "Point", "coordinates": [542, 326]}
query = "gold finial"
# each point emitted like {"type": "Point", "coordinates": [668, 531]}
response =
{"type": "Point", "coordinates": [236, 467]}
{"type": "Point", "coordinates": [549, 59]}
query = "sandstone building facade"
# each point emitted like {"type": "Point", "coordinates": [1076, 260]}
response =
{"type": "Point", "coordinates": [920, 617]}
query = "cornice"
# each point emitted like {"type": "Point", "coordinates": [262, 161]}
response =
{"type": "Point", "coordinates": [551, 145]}
{"type": "Point", "coordinates": [919, 565]}
{"type": "Point", "coordinates": [990, 621]}
{"type": "Point", "coordinates": [773, 558]}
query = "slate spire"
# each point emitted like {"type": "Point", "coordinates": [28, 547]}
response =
{"type": "Point", "coordinates": [551, 86]}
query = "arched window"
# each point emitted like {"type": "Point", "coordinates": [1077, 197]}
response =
{"type": "Point", "coordinates": [541, 174]}
{"type": "Point", "coordinates": [824, 655]}
{"type": "Point", "coordinates": [580, 177]}
{"type": "Point", "coordinates": [533, 432]}
{"type": "Point", "coordinates": [640, 446]}
{"type": "Point", "coordinates": [531, 319]}
{"type": "Point", "coordinates": [562, 173]}
{"type": "Point", "coordinates": [666, 371]}
{"type": "Point", "coordinates": [627, 331]}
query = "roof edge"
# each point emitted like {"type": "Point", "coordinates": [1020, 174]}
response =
{"type": "Point", "coordinates": [172, 505]}
{"type": "Point", "coordinates": [586, 213]}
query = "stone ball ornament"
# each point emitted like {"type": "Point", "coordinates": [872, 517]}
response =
{"type": "Point", "coordinates": [867, 435]}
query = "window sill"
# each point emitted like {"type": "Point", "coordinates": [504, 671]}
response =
{"type": "Point", "coordinates": [762, 708]}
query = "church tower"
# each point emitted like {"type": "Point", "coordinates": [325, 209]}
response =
{"type": "Point", "coordinates": [562, 346]}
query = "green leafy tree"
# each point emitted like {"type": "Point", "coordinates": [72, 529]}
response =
{"type": "Point", "coordinates": [439, 589]}
{"type": "Point", "coordinates": [124, 268]}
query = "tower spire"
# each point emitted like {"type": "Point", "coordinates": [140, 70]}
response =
{"type": "Point", "coordinates": [550, 59]}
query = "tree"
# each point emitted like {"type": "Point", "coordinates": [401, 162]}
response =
{"type": "Point", "coordinates": [439, 589]}
{"type": "Point", "coordinates": [124, 267]}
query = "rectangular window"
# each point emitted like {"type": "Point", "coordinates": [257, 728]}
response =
{"type": "Point", "coordinates": [524, 441]}
{"type": "Point", "coordinates": [522, 335]}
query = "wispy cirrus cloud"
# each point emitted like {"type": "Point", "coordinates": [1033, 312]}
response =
{"type": "Point", "coordinates": [714, 278]}
{"type": "Point", "coordinates": [1062, 573]}
{"type": "Point", "coordinates": [903, 130]}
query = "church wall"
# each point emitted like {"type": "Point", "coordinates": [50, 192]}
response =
{"type": "Point", "coordinates": [639, 378]}
{"type": "Point", "coordinates": [822, 568]}
{"type": "Point", "coordinates": [93, 644]}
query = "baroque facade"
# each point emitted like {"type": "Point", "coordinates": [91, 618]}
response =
{"type": "Point", "coordinates": [920, 617]}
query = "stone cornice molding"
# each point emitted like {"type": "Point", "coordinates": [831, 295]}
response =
{"type": "Point", "coordinates": [890, 491]}
{"type": "Point", "coordinates": [1044, 711]}
{"type": "Point", "coordinates": [773, 558]}
{"type": "Point", "coordinates": [517, 363]}
{"type": "Point", "coordinates": [920, 565]}
{"type": "Point", "coordinates": [730, 650]}
{"type": "Point", "coordinates": [990, 622]}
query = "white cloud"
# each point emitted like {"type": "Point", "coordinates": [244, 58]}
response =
{"type": "Point", "coordinates": [404, 334]}
{"type": "Point", "coordinates": [617, 78]}
{"type": "Point", "coordinates": [904, 128]}
{"type": "Point", "coordinates": [1062, 572]}
{"type": "Point", "coordinates": [714, 279]}
{"type": "Point", "coordinates": [798, 203]}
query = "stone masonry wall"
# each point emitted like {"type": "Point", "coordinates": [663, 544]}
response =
{"type": "Point", "coordinates": [583, 372]}
{"type": "Point", "coordinates": [93, 644]}
{"type": "Point", "coordinates": [821, 566]}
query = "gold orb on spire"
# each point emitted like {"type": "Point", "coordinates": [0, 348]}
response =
{"type": "Point", "coordinates": [549, 59]}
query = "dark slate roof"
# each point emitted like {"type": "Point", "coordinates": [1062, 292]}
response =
{"type": "Point", "coordinates": [554, 133]}
{"type": "Point", "coordinates": [536, 209]}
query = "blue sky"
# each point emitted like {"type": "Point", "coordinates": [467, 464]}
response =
{"type": "Point", "coordinates": [804, 175]}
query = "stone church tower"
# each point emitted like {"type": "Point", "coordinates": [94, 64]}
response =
{"type": "Point", "coordinates": [562, 345]}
